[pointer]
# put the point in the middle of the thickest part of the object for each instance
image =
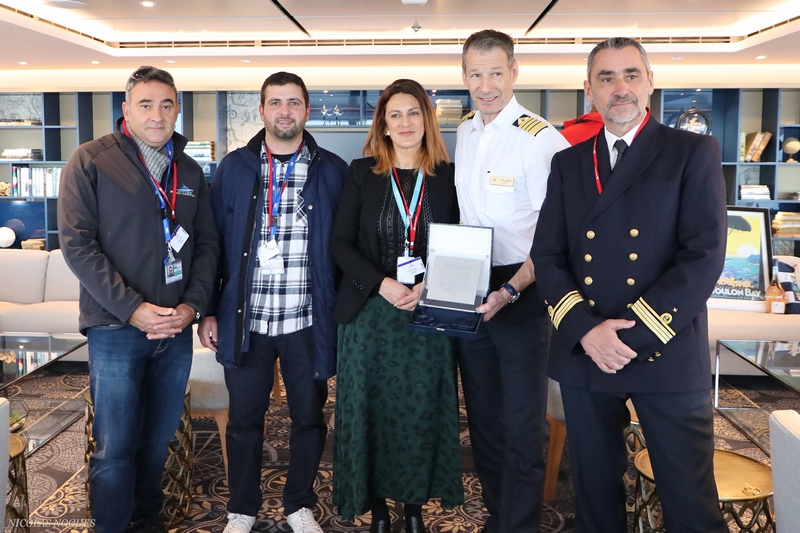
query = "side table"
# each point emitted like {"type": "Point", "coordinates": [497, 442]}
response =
{"type": "Point", "coordinates": [17, 506]}
{"type": "Point", "coordinates": [744, 486]}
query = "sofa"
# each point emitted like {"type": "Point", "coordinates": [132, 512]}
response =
{"type": "Point", "coordinates": [784, 437]}
{"type": "Point", "coordinates": [38, 293]}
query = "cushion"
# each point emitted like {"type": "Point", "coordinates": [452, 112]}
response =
{"type": "Point", "coordinates": [60, 283]}
{"type": "Point", "coordinates": [44, 317]}
{"type": "Point", "coordinates": [22, 274]}
{"type": "Point", "coordinates": [207, 381]}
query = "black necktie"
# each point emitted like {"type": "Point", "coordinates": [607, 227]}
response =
{"type": "Point", "coordinates": [621, 146]}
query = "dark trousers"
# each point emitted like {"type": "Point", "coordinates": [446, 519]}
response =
{"type": "Point", "coordinates": [249, 387]}
{"type": "Point", "coordinates": [679, 431]}
{"type": "Point", "coordinates": [503, 373]}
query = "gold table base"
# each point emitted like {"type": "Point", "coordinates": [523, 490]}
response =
{"type": "Point", "coordinates": [17, 506]}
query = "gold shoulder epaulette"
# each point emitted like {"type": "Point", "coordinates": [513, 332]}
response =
{"type": "Point", "coordinates": [530, 124]}
{"type": "Point", "coordinates": [467, 116]}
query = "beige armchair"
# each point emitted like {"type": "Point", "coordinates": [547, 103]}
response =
{"type": "Point", "coordinates": [784, 437]}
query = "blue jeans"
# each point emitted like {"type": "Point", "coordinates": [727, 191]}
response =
{"type": "Point", "coordinates": [137, 387]}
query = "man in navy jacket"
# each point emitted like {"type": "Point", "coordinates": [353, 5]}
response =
{"type": "Point", "coordinates": [629, 245]}
{"type": "Point", "coordinates": [273, 202]}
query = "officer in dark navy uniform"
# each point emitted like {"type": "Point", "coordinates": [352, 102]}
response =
{"type": "Point", "coordinates": [629, 245]}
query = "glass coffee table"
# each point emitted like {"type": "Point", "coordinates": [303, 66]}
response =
{"type": "Point", "coordinates": [23, 355]}
{"type": "Point", "coordinates": [779, 360]}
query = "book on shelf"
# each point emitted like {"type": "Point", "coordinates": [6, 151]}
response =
{"type": "Point", "coordinates": [201, 150]}
{"type": "Point", "coordinates": [761, 146]}
{"type": "Point", "coordinates": [33, 244]}
{"type": "Point", "coordinates": [449, 111]}
{"type": "Point", "coordinates": [786, 224]}
{"type": "Point", "coordinates": [754, 192]}
{"type": "Point", "coordinates": [752, 140]}
{"type": "Point", "coordinates": [22, 154]}
{"type": "Point", "coordinates": [20, 122]}
{"type": "Point", "coordinates": [36, 181]}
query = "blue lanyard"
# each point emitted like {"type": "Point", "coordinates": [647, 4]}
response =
{"type": "Point", "coordinates": [273, 191]}
{"type": "Point", "coordinates": [406, 209]}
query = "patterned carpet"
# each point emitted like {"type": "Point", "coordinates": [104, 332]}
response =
{"type": "Point", "coordinates": [56, 472]}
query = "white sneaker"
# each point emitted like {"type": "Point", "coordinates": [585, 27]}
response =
{"type": "Point", "coordinates": [239, 523]}
{"type": "Point", "coordinates": [302, 521]}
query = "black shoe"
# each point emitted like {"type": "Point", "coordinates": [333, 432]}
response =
{"type": "Point", "coordinates": [414, 524]}
{"type": "Point", "coordinates": [380, 526]}
{"type": "Point", "coordinates": [146, 525]}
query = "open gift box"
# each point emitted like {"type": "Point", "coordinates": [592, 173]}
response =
{"type": "Point", "coordinates": [456, 280]}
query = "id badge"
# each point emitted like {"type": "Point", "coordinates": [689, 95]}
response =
{"type": "Point", "coordinates": [173, 271]}
{"type": "Point", "coordinates": [178, 239]}
{"type": "Point", "coordinates": [408, 268]}
{"type": "Point", "coordinates": [268, 251]}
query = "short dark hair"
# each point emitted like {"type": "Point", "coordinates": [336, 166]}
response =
{"type": "Point", "coordinates": [147, 73]}
{"type": "Point", "coordinates": [486, 40]}
{"type": "Point", "coordinates": [615, 43]}
{"type": "Point", "coordinates": [284, 78]}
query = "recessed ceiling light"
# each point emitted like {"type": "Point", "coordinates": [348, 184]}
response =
{"type": "Point", "coordinates": [147, 4]}
{"type": "Point", "coordinates": [698, 90]}
{"type": "Point", "coordinates": [677, 58]}
{"type": "Point", "coordinates": [325, 91]}
{"type": "Point", "coordinates": [761, 57]}
{"type": "Point", "coordinates": [245, 60]}
{"type": "Point", "coordinates": [22, 62]}
{"type": "Point", "coordinates": [170, 61]}
{"type": "Point", "coordinates": [95, 62]}
{"type": "Point", "coordinates": [66, 4]}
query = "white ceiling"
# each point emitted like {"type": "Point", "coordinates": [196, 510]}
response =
{"type": "Point", "coordinates": [371, 42]}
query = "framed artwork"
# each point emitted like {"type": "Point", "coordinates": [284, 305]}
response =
{"type": "Point", "coordinates": [748, 261]}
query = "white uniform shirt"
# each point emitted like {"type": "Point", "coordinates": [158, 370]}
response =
{"type": "Point", "coordinates": [501, 177]}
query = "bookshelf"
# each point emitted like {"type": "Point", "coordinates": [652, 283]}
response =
{"type": "Point", "coordinates": [230, 118]}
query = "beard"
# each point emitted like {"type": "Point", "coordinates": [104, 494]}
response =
{"type": "Point", "coordinates": [622, 118]}
{"type": "Point", "coordinates": [286, 133]}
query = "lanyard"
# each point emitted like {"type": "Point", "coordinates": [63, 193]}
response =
{"type": "Point", "coordinates": [405, 211]}
{"type": "Point", "coordinates": [163, 199]}
{"type": "Point", "coordinates": [274, 195]}
{"type": "Point", "coordinates": [594, 151]}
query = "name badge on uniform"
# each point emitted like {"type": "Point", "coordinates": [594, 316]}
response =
{"type": "Point", "coordinates": [502, 181]}
{"type": "Point", "coordinates": [178, 239]}
{"type": "Point", "coordinates": [268, 251]}
{"type": "Point", "coordinates": [173, 270]}
{"type": "Point", "coordinates": [408, 268]}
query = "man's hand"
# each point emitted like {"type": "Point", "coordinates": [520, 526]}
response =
{"type": "Point", "coordinates": [494, 303]}
{"type": "Point", "coordinates": [207, 331]}
{"type": "Point", "coordinates": [161, 322]}
{"type": "Point", "coordinates": [393, 291]}
{"type": "Point", "coordinates": [409, 301]}
{"type": "Point", "coordinates": [604, 347]}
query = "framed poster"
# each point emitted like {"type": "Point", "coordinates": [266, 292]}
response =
{"type": "Point", "coordinates": [748, 261]}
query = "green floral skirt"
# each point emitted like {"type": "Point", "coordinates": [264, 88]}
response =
{"type": "Point", "coordinates": [396, 424]}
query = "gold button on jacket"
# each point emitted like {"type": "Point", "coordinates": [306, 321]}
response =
{"type": "Point", "coordinates": [590, 234]}
{"type": "Point", "coordinates": [634, 232]}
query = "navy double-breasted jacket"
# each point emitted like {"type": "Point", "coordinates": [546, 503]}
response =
{"type": "Point", "coordinates": [649, 248]}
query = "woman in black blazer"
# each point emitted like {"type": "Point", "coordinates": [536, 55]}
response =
{"type": "Point", "coordinates": [396, 406]}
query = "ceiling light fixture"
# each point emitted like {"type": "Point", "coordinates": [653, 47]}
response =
{"type": "Point", "coordinates": [95, 62]}
{"type": "Point", "coordinates": [147, 4]}
{"type": "Point", "coordinates": [245, 60]}
{"type": "Point", "coordinates": [66, 4]}
{"type": "Point", "coordinates": [416, 27]}
{"type": "Point", "coordinates": [761, 57]}
{"type": "Point", "coordinates": [22, 62]}
{"type": "Point", "coordinates": [414, 2]}
{"type": "Point", "coordinates": [170, 61]}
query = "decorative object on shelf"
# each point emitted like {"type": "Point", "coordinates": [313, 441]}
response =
{"type": "Point", "coordinates": [7, 237]}
{"type": "Point", "coordinates": [337, 113]}
{"type": "Point", "coordinates": [324, 112]}
{"type": "Point", "coordinates": [33, 244]}
{"type": "Point", "coordinates": [694, 120]}
{"type": "Point", "coordinates": [755, 144]}
{"type": "Point", "coordinates": [790, 147]}
{"type": "Point", "coordinates": [5, 188]}
{"type": "Point", "coordinates": [18, 412]}
{"type": "Point", "coordinates": [748, 256]}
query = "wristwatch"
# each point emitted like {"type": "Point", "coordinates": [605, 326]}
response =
{"type": "Point", "coordinates": [512, 291]}
{"type": "Point", "coordinates": [197, 317]}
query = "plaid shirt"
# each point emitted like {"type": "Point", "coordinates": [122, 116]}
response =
{"type": "Point", "coordinates": [281, 303]}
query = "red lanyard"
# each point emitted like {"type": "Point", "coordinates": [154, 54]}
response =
{"type": "Point", "coordinates": [412, 222]}
{"type": "Point", "coordinates": [156, 184]}
{"type": "Point", "coordinates": [594, 151]}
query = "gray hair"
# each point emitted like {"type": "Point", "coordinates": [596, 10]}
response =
{"type": "Point", "coordinates": [486, 40]}
{"type": "Point", "coordinates": [615, 43]}
{"type": "Point", "coordinates": [145, 74]}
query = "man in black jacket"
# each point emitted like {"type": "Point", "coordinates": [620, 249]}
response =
{"type": "Point", "coordinates": [135, 226]}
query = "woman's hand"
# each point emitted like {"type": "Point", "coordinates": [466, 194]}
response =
{"type": "Point", "coordinates": [409, 302]}
{"type": "Point", "coordinates": [393, 291]}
